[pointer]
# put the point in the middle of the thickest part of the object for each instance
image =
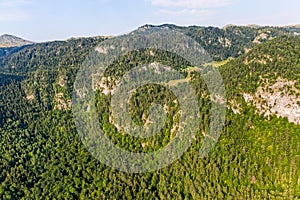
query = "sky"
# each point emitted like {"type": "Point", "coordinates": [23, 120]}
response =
{"type": "Point", "coordinates": [44, 20]}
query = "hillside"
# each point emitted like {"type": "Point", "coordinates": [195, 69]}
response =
{"type": "Point", "coordinates": [220, 43]}
{"type": "Point", "coordinates": [12, 41]}
{"type": "Point", "coordinates": [10, 44]}
{"type": "Point", "coordinates": [257, 156]}
{"type": "Point", "coordinates": [268, 77]}
{"type": "Point", "coordinates": [232, 40]}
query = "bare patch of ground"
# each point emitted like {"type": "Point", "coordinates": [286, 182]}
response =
{"type": "Point", "coordinates": [62, 103]}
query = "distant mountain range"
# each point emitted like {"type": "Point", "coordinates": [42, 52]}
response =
{"type": "Point", "coordinates": [230, 41]}
{"type": "Point", "coordinates": [7, 40]}
{"type": "Point", "coordinates": [12, 41]}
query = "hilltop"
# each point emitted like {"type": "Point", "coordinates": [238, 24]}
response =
{"type": "Point", "coordinates": [7, 40]}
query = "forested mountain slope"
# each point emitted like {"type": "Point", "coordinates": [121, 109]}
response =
{"type": "Point", "coordinates": [230, 41]}
{"type": "Point", "coordinates": [268, 77]}
{"type": "Point", "coordinates": [257, 156]}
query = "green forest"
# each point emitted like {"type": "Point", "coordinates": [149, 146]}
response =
{"type": "Point", "coordinates": [42, 155]}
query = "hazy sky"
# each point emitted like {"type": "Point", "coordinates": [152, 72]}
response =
{"type": "Point", "coordinates": [41, 20]}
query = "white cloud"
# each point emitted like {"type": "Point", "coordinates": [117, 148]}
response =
{"type": "Point", "coordinates": [193, 12]}
{"type": "Point", "coordinates": [191, 4]}
{"type": "Point", "coordinates": [190, 10]}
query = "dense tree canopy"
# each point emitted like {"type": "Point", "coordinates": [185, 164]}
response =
{"type": "Point", "coordinates": [42, 156]}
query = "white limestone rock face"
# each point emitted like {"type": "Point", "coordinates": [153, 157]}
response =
{"type": "Point", "coordinates": [281, 99]}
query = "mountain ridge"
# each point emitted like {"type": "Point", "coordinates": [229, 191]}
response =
{"type": "Point", "coordinates": [220, 43]}
{"type": "Point", "coordinates": [7, 40]}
